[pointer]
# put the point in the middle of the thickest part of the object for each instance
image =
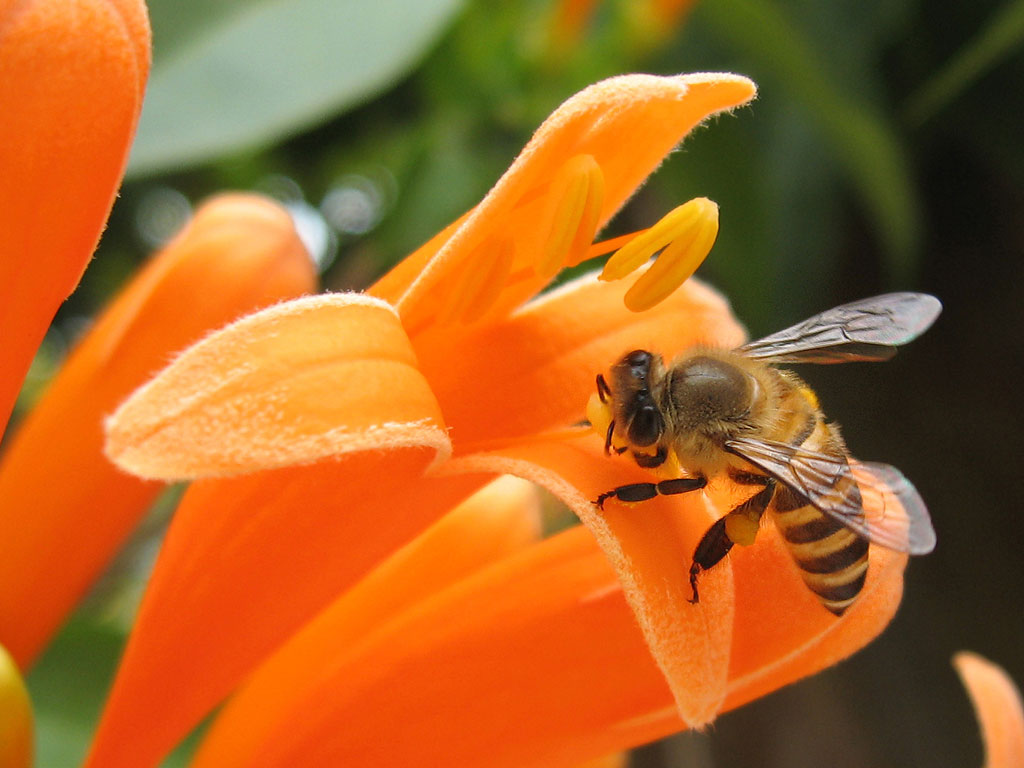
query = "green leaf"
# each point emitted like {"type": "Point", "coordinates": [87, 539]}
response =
{"type": "Point", "coordinates": [862, 137]}
{"type": "Point", "coordinates": [265, 70]}
{"type": "Point", "coordinates": [1001, 36]}
{"type": "Point", "coordinates": [68, 685]}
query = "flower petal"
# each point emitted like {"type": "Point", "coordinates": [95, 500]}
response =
{"type": "Point", "coordinates": [72, 77]}
{"type": "Point", "coordinates": [298, 382]}
{"type": "Point", "coordinates": [246, 562]}
{"type": "Point", "coordinates": [783, 633]}
{"type": "Point", "coordinates": [650, 550]}
{"type": "Point", "coordinates": [754, 610]}
{"type": "Point", "coordinates": [998, 706]}
{"type": "Point", "coordinates": [238, 254]}
{"type": "Point", "coordinates": [501, 518]}
{"type": "Point", "coordinates": [534, 661]}
{"type": "Point", "coordinates": [535, 369]}
{"type": "Point", "coordinates": [627, 124]}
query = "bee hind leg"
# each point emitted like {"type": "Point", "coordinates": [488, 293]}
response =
{"type": "Point", "coordinates": [713, 547]}
{"type": "Point", "coordinates": [715, 544]}
{"type": "Point", "coordinates": [643, 491]}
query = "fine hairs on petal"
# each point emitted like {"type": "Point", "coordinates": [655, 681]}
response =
{"type": "Point", "coordinates": [690, 643]}
{"type": "Point", "coordinates": [654, 113]}
{"type": "Point", "coordinates": [293, 384]}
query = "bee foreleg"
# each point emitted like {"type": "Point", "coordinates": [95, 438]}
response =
{"type": "Point", "coordinates": [717, 541]}
{"type": "Point", "coordinates": [644, 491]}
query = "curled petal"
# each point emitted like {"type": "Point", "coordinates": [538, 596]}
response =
{"type": "Point", "coordinates": [650, 550]}
{"type": "Point", "coordinates": [298, 382]}
{"type": "Point", "coordinates": [998, 706]}
{"type": "Point", "coordinates": [246, 562]}
{"type": "Point", "coordinates": [239, 253]}
{"type": "Point", "coordinates": [754, 606]}
{"type": "Point", "coordinates": [782, 631]}
{"type": "Point", "coordinates": [500, 519]}
{"type": "Point", "coordinates": [651, 114]}
{"type": "Point", "coordinates": [72, 76]}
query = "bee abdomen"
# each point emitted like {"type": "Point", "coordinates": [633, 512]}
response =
{"type": "Point", "coordinates": [833, 560]}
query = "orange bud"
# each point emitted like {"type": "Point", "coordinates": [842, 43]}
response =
{"type": "Point", "coordinates": [72, 76]}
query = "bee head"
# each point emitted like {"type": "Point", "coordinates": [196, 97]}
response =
{"type": "Point", "coordinates": [634, 378]}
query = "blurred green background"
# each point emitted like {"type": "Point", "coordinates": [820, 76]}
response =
{"type": "Point", "coordinates": [884, 152]}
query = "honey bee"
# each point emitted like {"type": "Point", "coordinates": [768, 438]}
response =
{"type": "Point", "coordinates": [715, 412]}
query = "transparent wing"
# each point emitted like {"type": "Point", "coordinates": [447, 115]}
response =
{"type": "Point", "coordinates": [875, 500]}
{"type": "Point", "coordinates": [869, 329]}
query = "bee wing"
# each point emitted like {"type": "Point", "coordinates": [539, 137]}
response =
{"type": "Point", "coordinates": [869, 329]}
{"type": "Point", "coordinates": [854, 495]}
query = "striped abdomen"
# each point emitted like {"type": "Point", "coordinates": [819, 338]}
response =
{"type": "Point", "coordinates": [833, 560]}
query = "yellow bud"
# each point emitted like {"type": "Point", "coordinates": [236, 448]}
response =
{"type": "Point", "coordinates": [15, 716]}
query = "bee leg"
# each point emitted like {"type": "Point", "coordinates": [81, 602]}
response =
{"type": "Point", "coordinates": [644, 491]}
{"type": "Point", "coordinates": [716, 542]}
{"type": "Point", "coordinates": [714, 545]}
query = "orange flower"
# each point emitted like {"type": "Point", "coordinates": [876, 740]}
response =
{"type": "Point", "coordinates": [72, 76]}
{"type": "Point", "coordinates": [239, 253]}
{"type": "Point", "coordinates": [330, 431]}
{"type": "Point", "coordinates": [998, 705]}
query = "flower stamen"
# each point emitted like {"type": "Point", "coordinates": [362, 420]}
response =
{"type": "Point", "coordinates": [577, 197]}
{"type": "Point", "coordinates": [485, 272]}
{"type": "Point", "coordinates": [684, 236]}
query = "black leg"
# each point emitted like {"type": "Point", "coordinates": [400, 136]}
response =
{"type": "Point", "coordinates": [644, 491]}
{"type": "Point", "coordinates": [715, 543]}
{"type": "Point", "coordinates": [603, 390]}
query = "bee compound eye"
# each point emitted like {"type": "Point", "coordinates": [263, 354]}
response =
{"type": "Point", "coordinates": [645, 426]}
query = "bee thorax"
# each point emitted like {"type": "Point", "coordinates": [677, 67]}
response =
{"type": "Point", "coordinates": [705, 394]}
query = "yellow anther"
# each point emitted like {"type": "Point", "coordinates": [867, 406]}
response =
{"type": "Point", "coordinates": [577, 195]}
{"type": "Point", "coordinates": [684, 237]}
{"type": "Point", "coordinates": [483, 275]}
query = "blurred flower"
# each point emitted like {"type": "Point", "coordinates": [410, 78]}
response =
{"type": "Point", "coordinates": [239, 253]}
{"type": "Point", "coordinates": [72, 77]}
{"type": "Point", "coordinates": [15, 716]}
{"type": "Point", "coordinates": [328, 432]}
{"type": "Point", "coordinates": [998, 705]}
{"type": "Point", "coordinates": [645, 23]}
